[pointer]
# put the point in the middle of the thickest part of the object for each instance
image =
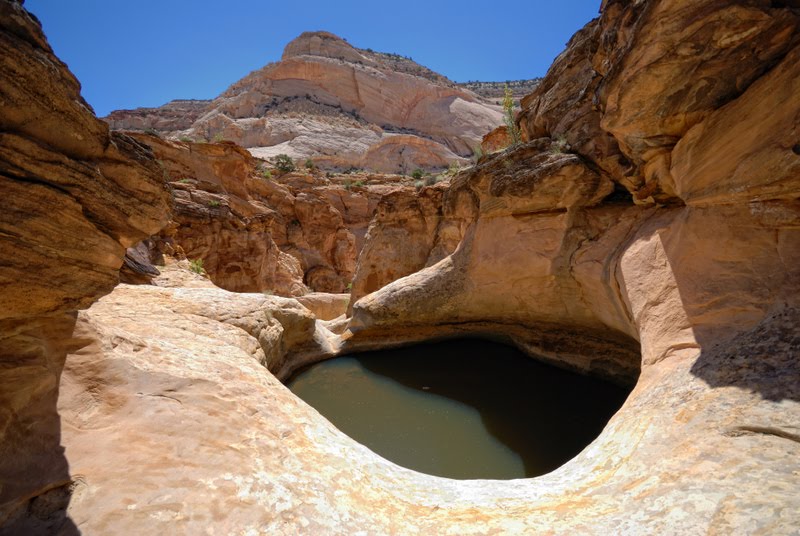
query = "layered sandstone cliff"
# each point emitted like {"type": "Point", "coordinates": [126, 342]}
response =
{"type": "Point", "coordinates": [256, 229]}
{"type": "Point", "coordinates": [75, 197]}
{"type": "Point", "coordinates": [661, 250]}
{"type": "Point", "coordinates": [341, 106]}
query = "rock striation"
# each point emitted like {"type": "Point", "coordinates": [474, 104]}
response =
{"type": "Point", "coordinates": [341, 106]}
{"type": "Point", "coordinates": [614, 240]}
{"type": "Point", "coordinates": [256, 229]}
{"type": "Point", "coordinates": [76, 196]}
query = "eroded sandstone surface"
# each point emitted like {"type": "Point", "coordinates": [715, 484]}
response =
{"type": "Point", "coordinates": [647, 230]}
{"type": "Point", "coordinates": [75, 197]}
{"type": "Point", "coordinates": [256, 229]}
{"type": "Point", "coordinates": [342, 106]}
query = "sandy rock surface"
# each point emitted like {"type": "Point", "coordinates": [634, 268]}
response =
{"type": "Point", "coordinates": [645, 231]}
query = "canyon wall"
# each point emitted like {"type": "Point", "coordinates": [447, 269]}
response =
{"type": "Point", "coordinates": [646, 230]}
{"type": "Point", "coordinates": [75, 197]}
{"type": "Point", "coordinates": [256, 229]}
{"type": "Point", "coordinates": [551, 218]}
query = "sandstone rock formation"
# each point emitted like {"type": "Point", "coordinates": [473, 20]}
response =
{"type": "Point", "coordinates": [559, 259]}
{"type": "Point", "coordinates": [624, 102]}
{"type": "Point", "coordinates": [173, 116]}
{"type": "Point", "coordinates": [76, 196]}
{"type": "Point", "coordinates": [342, 106]}
{"type": "Point", "coordinates": [496, 140]}
{"type": "Point", "coordinates": [677, 269]}
{"type": "Point", "coordinates": [284, 234]}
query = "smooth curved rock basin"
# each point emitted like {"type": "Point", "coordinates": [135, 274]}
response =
{"type": "Point", "coordinates": [462, 409]}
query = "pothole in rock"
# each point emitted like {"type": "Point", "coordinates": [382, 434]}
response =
{"type": "Point", "coordinates": [463, 409]}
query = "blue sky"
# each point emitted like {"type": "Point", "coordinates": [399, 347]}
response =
{"type": "Point", "coordinates": [146, 52]}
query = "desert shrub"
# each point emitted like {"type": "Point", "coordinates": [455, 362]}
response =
{"type": "Point", "coordinates": [196, 265]}
{"type": "Point", "coordinates": [477, 153]}
{"type": "Point", "coordinates": [418, 173]}
{"type": "Point", "coordinates": [418, 185]}
{"type": "Point", "coordinates": [431, 180]}
{"type": "Point", "coordinates": [309, 164]}
{"type": "Point", "coordinates": [213, 203]}
{"type": "Point", "coordinates": [284, 163]}
{"type": "Point", "coordinates": [218, 137]}
{"type": "Point", "coordinates": [559, 145]}
{"type": "Point", "coordinates": [185, 139]}
{"type": "Point", "coordinates": [508, 117]}
{"type": "Point", "coordinates": [358, 183]}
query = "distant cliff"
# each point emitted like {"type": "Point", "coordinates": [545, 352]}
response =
{"type": "Point", "coordinates": [340, 106]}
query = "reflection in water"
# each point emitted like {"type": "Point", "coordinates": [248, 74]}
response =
{"type": "Point", "coordinates": [462, 409]}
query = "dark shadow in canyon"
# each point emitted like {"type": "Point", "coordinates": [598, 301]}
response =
{"type": "Point", "coordinates": [543, 414]}
{"type": "Point", "coordinates": [764, 359]}
{"type": "Point", "coordinates": [35, 497]}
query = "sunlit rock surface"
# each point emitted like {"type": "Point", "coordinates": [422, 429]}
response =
{"type": "Point", "coordinates": [581, 244]}
{"type": "Point", "coordinates": [256, 229]}
{"type": "Point", "coordinates": [342, 106]}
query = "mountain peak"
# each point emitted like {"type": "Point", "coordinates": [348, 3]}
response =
{"type": "Point", "coordinates": [323, 44]}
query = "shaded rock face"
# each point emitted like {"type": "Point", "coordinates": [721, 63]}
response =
{"type": "Point", "coordinates": [343, 107]}
{"type": "Point", "coordinates": [285, 234]}
{"type": "Point", "coordinates": [76, 196]}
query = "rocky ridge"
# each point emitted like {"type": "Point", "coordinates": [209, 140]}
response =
{"type": "Point", "coordinates": [341, 106]}
{"type": "Point", "coordinates": [495, 91]}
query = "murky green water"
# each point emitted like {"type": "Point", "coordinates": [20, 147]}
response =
{"type": "Point", "coordinates": [462, 409]}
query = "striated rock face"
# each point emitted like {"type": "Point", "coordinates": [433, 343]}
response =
{"type": "Point", "coordinates": [173, 116]}
{"type": "Point", "coordinates": [344, 107]}
{"type": "Point", "coordinates": [284, 234]}
{"type": "Point", "coordinates": [662, 250]}
{"type": "Point", "coordinates": [632, 83]}
{"type": "Point", "coordinates": [75, 197]}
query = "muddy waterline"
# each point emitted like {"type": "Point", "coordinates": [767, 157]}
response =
{"type": "Point", "coordinates": [466, 408]}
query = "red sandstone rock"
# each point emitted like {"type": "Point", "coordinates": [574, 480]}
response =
{"type": "Point", "coordinates": [75, 197]}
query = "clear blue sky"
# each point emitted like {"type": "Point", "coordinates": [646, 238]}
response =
{"type": "Point", "coordinates": [130, 53]}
